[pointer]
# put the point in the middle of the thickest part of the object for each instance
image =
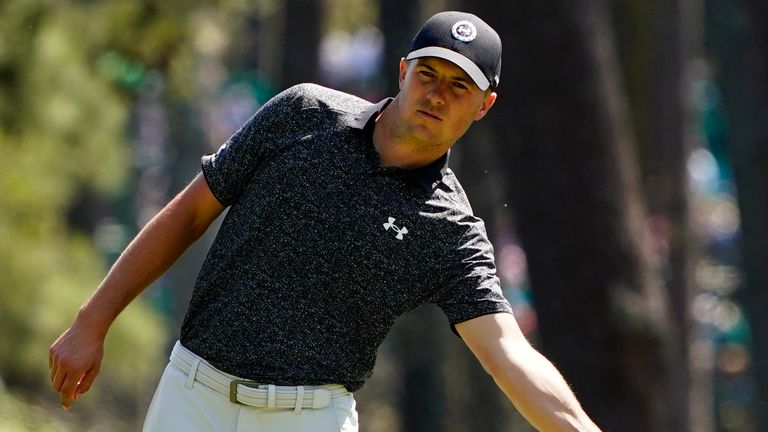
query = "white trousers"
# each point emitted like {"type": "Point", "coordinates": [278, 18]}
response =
{"type": "Point", "coordinates": [182, 403]}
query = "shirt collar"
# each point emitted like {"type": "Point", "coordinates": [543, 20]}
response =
{"type": "Point", "coordinates": [429, 176]}
{"type": "Point", "coordinates": [362, 119]}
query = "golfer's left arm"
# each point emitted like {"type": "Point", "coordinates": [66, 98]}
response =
{"type": "Point", "coordinates": [528, 379]}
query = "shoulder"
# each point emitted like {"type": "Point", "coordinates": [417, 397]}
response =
{"type": "Point", "coordinates": [453, 196]}
{"type": "Point", "coordinates": [316, 98]}
{"type": "Point", "coordinates": [463, 225]}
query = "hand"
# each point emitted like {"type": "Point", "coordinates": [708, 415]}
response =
{"type": "Point", "coordinates": [74, 360]}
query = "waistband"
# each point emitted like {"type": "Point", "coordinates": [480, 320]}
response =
{"type": "Point", "coordinates": [252, 393]}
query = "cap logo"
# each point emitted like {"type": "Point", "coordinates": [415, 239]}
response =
{"type": "Point", "coordinates": [464, 31]}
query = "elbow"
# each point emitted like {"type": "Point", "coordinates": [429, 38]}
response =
{"type": "Point", "coordinates": [197, 229]}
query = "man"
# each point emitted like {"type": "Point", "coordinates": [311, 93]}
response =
{"type": "Point", "coordinates": [342, 216]}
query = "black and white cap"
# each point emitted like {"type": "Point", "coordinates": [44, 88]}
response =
{"type": "Point", "coordinates": [463, 39]}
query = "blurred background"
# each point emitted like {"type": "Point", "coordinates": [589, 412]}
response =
{"type": "Point", "coordinates": [622, 175]}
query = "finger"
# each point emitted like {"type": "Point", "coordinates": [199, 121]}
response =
{"type": "Point", "coordinates": [67, 391]}
{"type": "Point", "coordinates": [58, 379]}
{"type": "Point", "coordinates": [69, 385]}
{"type": "Point", "coordinates": [65, 400]}
{"type": "Point", "coordinates": [54, 369]}
{"type": "Point", "coordinates": [87, 381]}
{"type": "Point", "coordinates": [53, 357]}
{"type": "Point", "coordinates": [53, 363]}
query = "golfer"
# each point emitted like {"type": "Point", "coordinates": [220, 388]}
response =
{"type": "Point", "coordinates": [341, 216]}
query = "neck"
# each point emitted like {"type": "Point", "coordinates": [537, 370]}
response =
{"type": "Point", "coordinates": [396, 148]}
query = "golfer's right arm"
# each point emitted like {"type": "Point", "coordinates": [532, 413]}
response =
{"type": "Point", "coordinates": [75, 357]}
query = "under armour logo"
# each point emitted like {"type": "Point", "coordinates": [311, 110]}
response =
{"type": "Point", "coordinates": [400, 231]}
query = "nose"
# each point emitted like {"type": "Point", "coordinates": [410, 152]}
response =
{"type": "Point", "coordinates": [436, 94]}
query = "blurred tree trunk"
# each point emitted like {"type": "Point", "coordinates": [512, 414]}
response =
{"type": "Point", "coordinates": [399, 21]}
{"type": "Point", "coordinates": [657, 68]}
{"type": "Point", "coordinates": [301, 39]}
{"type": "Point", "coordinates": [738, 44]}
{"type": "Point", "coordinates": [562, 128]}
{"type": "Point", "coordinates": [676, 44]}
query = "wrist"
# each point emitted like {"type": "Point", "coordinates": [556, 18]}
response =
{"type": "Point", "coordinates": [93, 322]}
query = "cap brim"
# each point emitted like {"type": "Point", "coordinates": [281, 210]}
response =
{"type": "Point", "coordinates": [459, 60]}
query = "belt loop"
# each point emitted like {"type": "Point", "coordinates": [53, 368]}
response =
{"type": "Point", "coordinates": [192, 374]}
{"type": "Point", "coordinates": [271, 396]}
{"type": "Point", "coordinates": [299, 399]}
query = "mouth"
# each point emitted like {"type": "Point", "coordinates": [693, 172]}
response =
{"type": "Point", "coordinates": [429, 115]}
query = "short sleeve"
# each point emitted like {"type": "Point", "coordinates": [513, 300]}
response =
{"type": "Point", "coordinates": [470, 287]}
{"type": "Point", "coordinates": [229, 170]}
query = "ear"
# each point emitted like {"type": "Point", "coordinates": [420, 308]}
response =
{"type": "Point", "coordinates": [403, 70]}
{"type": "Point", "coordinates": [488, 102]}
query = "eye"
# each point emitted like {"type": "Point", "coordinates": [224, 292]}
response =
{"type": "Point", "coordinates": [460, 85]}
{"type": "Point", "coordinates": [426, 73]}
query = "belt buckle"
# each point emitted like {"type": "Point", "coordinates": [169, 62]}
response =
{"type": "Point", "coordinates": [233, 389]}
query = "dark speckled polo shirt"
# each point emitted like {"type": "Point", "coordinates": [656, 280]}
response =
{"type": "Point", "coordinates": [322, 249]}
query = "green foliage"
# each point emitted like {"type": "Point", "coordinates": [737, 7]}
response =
{"type": "Point", "coordinates": [63, 124]}
{"type": "Point", "coordinates": [69, 73]}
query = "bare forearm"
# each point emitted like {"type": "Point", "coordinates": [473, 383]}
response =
{"type": "Point", "coordinates": [530, 381]}
{"type": "Point", "coordinates": [75, 357]}
{"type": "Point", "coordinates": [151, 253]}
{"type": "Point", "coordinates": [538, 390]}
{"type": "Point", "coordinates": [147, 257]}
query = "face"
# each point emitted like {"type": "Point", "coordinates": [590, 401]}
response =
{"type": "Point", "coordinates": [438, 101]}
